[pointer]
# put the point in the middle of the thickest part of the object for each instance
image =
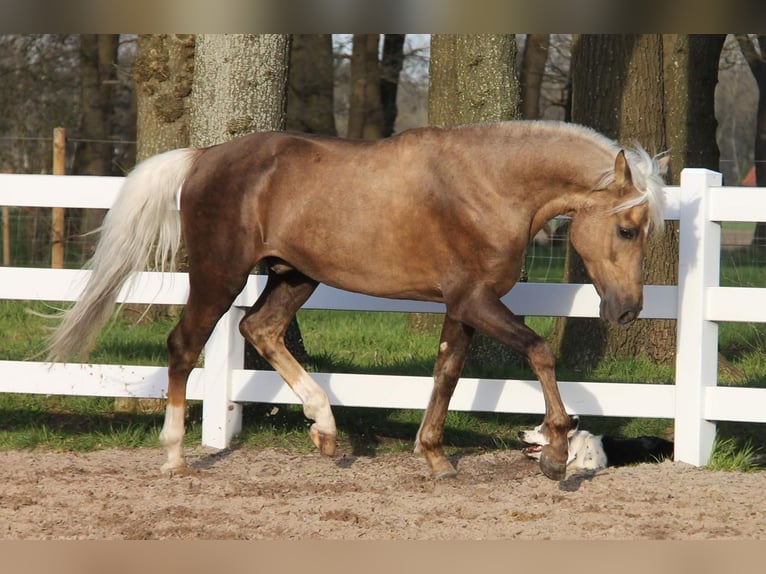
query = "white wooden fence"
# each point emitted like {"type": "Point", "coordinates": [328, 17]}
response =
{"type": "Point", "coordinates": [698, 303]}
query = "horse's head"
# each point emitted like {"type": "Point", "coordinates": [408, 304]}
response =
{"type": "Point", "coordinates": [610, 233]}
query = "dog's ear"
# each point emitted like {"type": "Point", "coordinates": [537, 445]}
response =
{"type": "Point", "coordinates": [574, 423]}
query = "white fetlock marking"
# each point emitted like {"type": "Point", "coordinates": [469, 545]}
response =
{"type": "Point", "coordinates": [172, 437]}
{"type": "Point", "coordinates": [316, 405]}
{"type": "Point", "coordinates": [418, 447]}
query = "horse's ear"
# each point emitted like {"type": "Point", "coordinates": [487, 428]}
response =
{"type": "Point", "coordinates": [664, 163]}
{"type": "Point", "coordinates": [622, 175]}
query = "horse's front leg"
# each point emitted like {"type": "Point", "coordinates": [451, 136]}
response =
{"type": "Point", "coordinates": [482, 309]}
{"type": "Point", "coordinates": [453, 348]}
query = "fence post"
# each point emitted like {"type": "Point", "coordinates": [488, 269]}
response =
{"type": "Point", "coordinates": [224, 352]}
{"type": "Point", "coordinates": [699, 253]}
{"type": "Point", "coordinates": [57, 220]}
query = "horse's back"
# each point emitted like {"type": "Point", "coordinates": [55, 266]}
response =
{"type": "Point", "coordinates": [392, 217]}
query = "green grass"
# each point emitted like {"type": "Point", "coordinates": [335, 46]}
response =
{"type": "Point", "coordinates": [733, 455]}
{"type": "Point", "coordinates": [338, 342]}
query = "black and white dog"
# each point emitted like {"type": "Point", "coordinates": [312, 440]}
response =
{"type": "Point", "coordinates": [589, 452]}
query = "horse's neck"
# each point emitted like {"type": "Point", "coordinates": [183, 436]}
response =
{"type": "Point", "coordinates": [555, 198]}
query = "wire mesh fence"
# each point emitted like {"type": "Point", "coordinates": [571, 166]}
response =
{"type": "Point", "coordinates": [26, 236]}
{"type": "Point", "coordinates": [26, 242]}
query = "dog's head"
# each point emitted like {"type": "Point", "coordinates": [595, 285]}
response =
{"type": "Point", "coordinates": [534, 440]}
{"type": "Point", "coordinates": [584, 449]}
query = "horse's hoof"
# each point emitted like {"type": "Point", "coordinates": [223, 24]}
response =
{"type": "Point", "coordinates": [169, 469]}
{"type": "Point", "coordinates": [445, 474]}
{"type": "Point", "coordinates": [443, 469]}
{"type": "Point", "coordinates": [325, 442]}
{"type": "Point", "coordinates": [553, 469]}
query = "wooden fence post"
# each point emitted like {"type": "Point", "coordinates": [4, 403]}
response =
{"type": "Point", "coordinates": [57, 222]}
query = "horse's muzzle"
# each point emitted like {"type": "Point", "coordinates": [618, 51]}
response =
{"type": "Point", "coordinates": [628, 316]}
{"type": "Point", "coordinates": [620, 312]}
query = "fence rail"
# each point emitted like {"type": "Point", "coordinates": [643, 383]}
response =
{"type": "Point", "coordinates": [698, 302]}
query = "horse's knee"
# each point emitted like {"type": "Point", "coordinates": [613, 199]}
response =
{"type": "Point", "coordinates": [541, 357]}
{"type": "Point", "coordinates": [259, 336]}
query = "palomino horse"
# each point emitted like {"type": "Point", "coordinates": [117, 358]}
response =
{"type": "Point", "coordinates": [430, 214]}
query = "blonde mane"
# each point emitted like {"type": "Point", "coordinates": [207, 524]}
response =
{"type": "Point", "coordinates": [645, 170]}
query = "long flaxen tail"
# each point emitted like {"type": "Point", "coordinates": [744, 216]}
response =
{"type": "Point", "coordinates": [142, 227]}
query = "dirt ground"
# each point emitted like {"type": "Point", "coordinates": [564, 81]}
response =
{"type": "Point", "coordinates": [272, 494]}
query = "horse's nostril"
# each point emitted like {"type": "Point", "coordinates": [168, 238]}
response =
{"type": "Point", "coordinates": [628, 317]}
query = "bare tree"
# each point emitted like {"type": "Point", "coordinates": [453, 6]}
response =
{"type": "Point", "coordinates": [532, 73]}
{"type": "Point", "coordinates": [402, 74]}
{"type": "Point", "coordinates": [639, 88]}
{"type": "Point", "coordinates": [95, 152]}
{"type": "Point", "coordinates": [163, 74]}
{"type": "Point", "coordinates": [239, 85]}
{"type": "Point", "coordinates": [391, 64]}
{"type": "Point", "coordinates": [691, 63]}
{"type": "Point", "coordinates": [39, 90]}
{"type": "Point", "coordinates": [365, 115]}
{"type": "Point", "coordinates": [310, 98]}
{"type": "Point", "coordinates": [472, 79]}
{"type": "Point", "coordinates": [736, 105]}
{"type": "Point", "coordinates": [98, 74]}
{"type": "Point", "coordinates": [754, 51]}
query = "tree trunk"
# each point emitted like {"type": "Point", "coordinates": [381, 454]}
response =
{"type": "Point", "coordinates": [631, 89]}
{"type": "Point", "coordinates": [240, 86]}
{"type": "Point", "coordinates": [690, 76]}
{"type": "Point", "coordinates": [532, 73]}
{"type": "Point", "coordinates": [472, 79]}
{"type": "Point", "coordinates": [93, 155]}
{"type": "Point", "coordinates": [756, 59]}
{"type": "Point", "coordinates": [365, 114]}
{"type": "Point", "coordinates": [98, 58]}
{"type": "Point", "coordinates": [163, 75]}
{"type": "Point", "coordinates": [390, 67]}
{"type": "Point", "coordinates": [617, 88]}
{"type": "Point", "coordinates": [310, 96]}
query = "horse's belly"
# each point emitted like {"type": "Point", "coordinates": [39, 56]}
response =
{"type": "Point", "coordinates": [373, 277]}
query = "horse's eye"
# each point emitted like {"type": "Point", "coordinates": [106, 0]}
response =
{"type": "Point", "coordinates": [627, 233]}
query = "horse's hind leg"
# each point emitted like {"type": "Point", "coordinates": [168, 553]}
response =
{"type": "Point", "coordinates": [206, 305]}
{"type": "Point", "coordinates": [265, 325]}
{"type": "Point", "coordinates": [453, 348]}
